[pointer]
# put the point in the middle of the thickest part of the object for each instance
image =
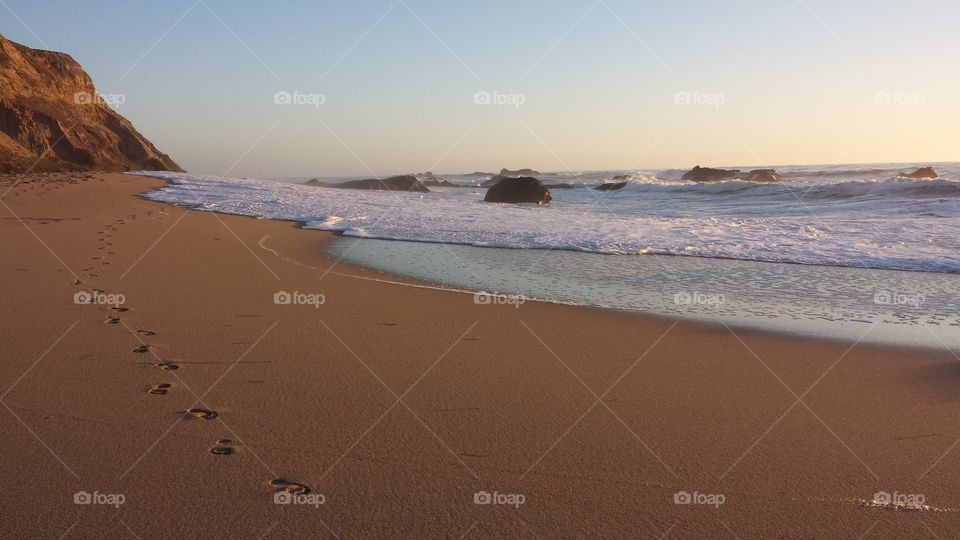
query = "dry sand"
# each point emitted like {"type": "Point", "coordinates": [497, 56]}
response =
{"type": "Point", "coordinates": [395, 404]}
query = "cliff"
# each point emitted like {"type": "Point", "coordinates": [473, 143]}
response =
{"type": "Point", "coordinates": [52, 119]}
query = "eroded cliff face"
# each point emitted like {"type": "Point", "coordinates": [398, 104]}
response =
{"type": "Point", "coordinates": [52, 119]}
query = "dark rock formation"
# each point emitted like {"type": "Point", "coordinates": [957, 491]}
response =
{"type": "Point", "coordinates": [394, 183]}
{"type": "Point", "coordinates": [493, 181]}
{"type": "Point", "coordinates": [519, 190]}
{"type": "Point", "coordinates": [52, 119]}
{"type": "Point", "coordinates": [521, 172]}
{"type": "Point", "coordinates": [706, 174]}
{"type": "Point", "coordinates": [611, 186]}
{"type": "Point", "coordinates": [761, 175]}
{"type": "Point", "coordinates": [920, 174]}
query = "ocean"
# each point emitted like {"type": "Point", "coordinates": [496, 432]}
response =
{"type": "Point", "coordinates": [842, 251]}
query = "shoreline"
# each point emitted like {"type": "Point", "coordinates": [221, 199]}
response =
{"type": "Point", "coordinates": [400, 404]}
{"type": "Point", "coordinates": [757, 325]}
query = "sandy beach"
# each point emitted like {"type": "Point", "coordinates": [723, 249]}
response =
{"type": "Point", "coordinates": [417, 413]}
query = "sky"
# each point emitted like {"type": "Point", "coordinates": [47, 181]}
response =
{"type": "Point", "coordinates": [381, 87]}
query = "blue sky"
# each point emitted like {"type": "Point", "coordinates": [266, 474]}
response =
{"type": "Point", "coordinates": [585, 84]}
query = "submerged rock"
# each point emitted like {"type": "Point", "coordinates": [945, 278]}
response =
{"type": "Point", "coordinates": [611, 186]}
{"type": "Point", "coordinates": [394, 183]}
{"type": "Point", "coordinates": [519, 190]}
{"type": "Point", "coordinates": [924, 173]}
{"type": "Point", "coordinates": [706, 174]}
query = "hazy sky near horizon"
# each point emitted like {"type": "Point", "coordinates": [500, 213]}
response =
{"type": "Point", "coordinates": [584, 84]}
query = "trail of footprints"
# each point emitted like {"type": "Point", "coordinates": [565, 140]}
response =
{"type": "Point", "coordinates": [101, 259]}
{"type": "Point", "coordinates": [222, 447]}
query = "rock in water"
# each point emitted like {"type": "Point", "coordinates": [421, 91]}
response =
{"type": "Point", "coordinates": [394, 183]}
{"type": "Point", "coordinates": [492, 181]}
{"type": "Point", "coordinates": [706, 174]}
{"type": "Point", "coordinates": [611, 186]}
{"type": "Point", "coordinates": [51, 112]}
{"type": "Point", "coordinates": [519, 190]}
{"type": "Point", "coordinates": [925, 173]}
{"type": "Point", "coordinates": [520, 172]}
{"type": "Point", "coordinates": [761, 175]}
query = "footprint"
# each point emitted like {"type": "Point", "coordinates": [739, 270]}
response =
{"type": "Point", "coordinates": [167, 366]}
{"type": "Point", "coordinates": [160, 389]}
{"type": "Point", "coordinates": [202, 414]}
{"type": "Point", "coordinates": [112, 320]}
{"type": "Point", "coordinates": [142, 349]}
{"type": "Point", "coordinates": [223, 448]}
{"type": "Point", "coordinates": [292, 488]}
{"type": "Point", "coordinates": [146, 333]}
{"type": "Point", "coordinates": [119, 309]}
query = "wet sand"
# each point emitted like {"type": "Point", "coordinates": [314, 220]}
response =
{"type": "Point", "coordinates": [399, 407]}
